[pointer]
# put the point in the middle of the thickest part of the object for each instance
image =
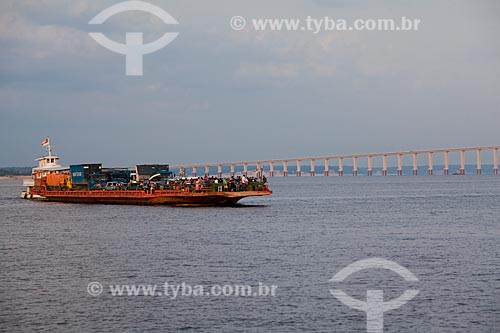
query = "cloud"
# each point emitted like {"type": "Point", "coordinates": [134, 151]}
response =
{"type": "Point", "coordinates": [268, 70]}
{"type": "Point", "coordinates": [219, 94]}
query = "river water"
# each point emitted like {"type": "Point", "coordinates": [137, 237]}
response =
{"type": "Point", "coordinates": [444, 229]}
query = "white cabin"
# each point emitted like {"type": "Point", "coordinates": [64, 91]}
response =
{"type": "Point", "coordinates": [47, 165]}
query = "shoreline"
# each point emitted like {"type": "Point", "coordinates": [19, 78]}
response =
{"type": "Point", "coordinates": [14, 177]}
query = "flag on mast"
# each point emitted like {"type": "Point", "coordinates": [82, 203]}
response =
{"type": "Point", "coordinates": [45, 142]}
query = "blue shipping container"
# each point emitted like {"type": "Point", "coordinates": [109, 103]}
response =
{"type": "Point", "coordinates": [77, 174]}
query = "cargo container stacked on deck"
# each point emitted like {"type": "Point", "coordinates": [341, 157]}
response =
{"type": "Point", "coordinates": [94, 176]}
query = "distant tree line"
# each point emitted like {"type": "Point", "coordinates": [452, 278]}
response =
{"type": "Point", "coordinates": [15, 171]}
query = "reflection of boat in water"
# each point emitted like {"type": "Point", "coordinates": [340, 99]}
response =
{"type": "Point", "coordinates": [150, 184]}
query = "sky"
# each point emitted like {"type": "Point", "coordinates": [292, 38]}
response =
{"type": "Point", "coordinates": [217, 94]}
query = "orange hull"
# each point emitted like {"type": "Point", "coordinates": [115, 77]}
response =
{"type": "Point", "coordinates": [160, 197]}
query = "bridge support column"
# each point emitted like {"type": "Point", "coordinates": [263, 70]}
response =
{"type": "Point", "coordinates": [400, 164]}
{"type": "Point", "coordinates": [193, 173]}
{"type": "Point", "coordinates": [430, 164]}
{"type": "Point", "coordinates": [462, 162]}
{"type": "Point", "coordinates": [384, 165]}
{"type": "Point", "coordinates": [271, 169]}
{"type": "Point", "coordinates": [415, 164]}
{"type": "Point", "coordinates": [312, 168]}
{"type": "Point", "coordinates": [355, 166]}
{"type": "Point", "coordinates": [207, 170]}
{"type": "Point", "coordinates": [370, 169]}
{"type": "Point", "coordinates": [299, 172]}
{"type": "Point", "coordinates": [446, 170]}
{"type": "Point", "coordinates": [327, 172]}
{"type": "Point", "coordinates": [341, 166]}
{"type": "Point", "coordinates": [478, 162]}
{"type": "Point", "coordinates": [285, 169]}
{"type": "Point", "coordinates": [259, 170]}
{"type": "Point", "coordinates": [245, 169]}
{"type": "Point", "coordinates": [231, 170]}
{"type": "Point", "coordinates": [219, 171]}
{"type": "Point", "coordinates": [495, 161]}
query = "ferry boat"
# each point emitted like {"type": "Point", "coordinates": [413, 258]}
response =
{"type": "Point", "coordinates": [149, 184]}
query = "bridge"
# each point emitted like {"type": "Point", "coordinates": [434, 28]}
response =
{"type": "Point", "coordinates": [268, 166]}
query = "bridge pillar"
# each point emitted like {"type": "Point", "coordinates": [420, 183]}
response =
{"type": "Point", "coordinates": [271, 169]}
{"type": "Point", "coordinates": [355, 166]}
{"type": "Point", "coordinates": [384, 165]}
{"type": "Point", "coordinates": [462, 162]}
{"type": "Point", "coordinates": [299, 172]}
{"type": "Point", "coordinates": [245, 169]}
{"type": "Point", "coordinates": [495, 161]}
{"type": "Point", "coordinates": [259, 170]}
{"type": "Point", "coordinates": [400, 164]}
{"type": "Point", "coordinates": [327, 172]}
{"type": "Point", "coordinates": [231, 170]}
{"type": "Point", "coordinates": [312, 168]}
{"type": "Point", "coordinates": [285, 169]}
{"type": "Point", "coordinates": [430, 164]}
{"type": "Point", "coordinates": [207, 170]}
{"type": "Point", "coordinates": [415, 164]}
{"type": "Point", "coordinates": [341, 166]}
{"type": "Point", "coordinates": [446, 170]}
{"type": "Point", "coordinates": [370, 169]}
{"type": "Point", "coordinates": [219, 171]}
{"type": "Point", "coordinates": [193, 172]}
{"type": "Point", "coordinates": [478, 162]}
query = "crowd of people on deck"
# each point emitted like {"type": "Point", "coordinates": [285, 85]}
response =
{"type": "Point", "coordinates": [210, 184]}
